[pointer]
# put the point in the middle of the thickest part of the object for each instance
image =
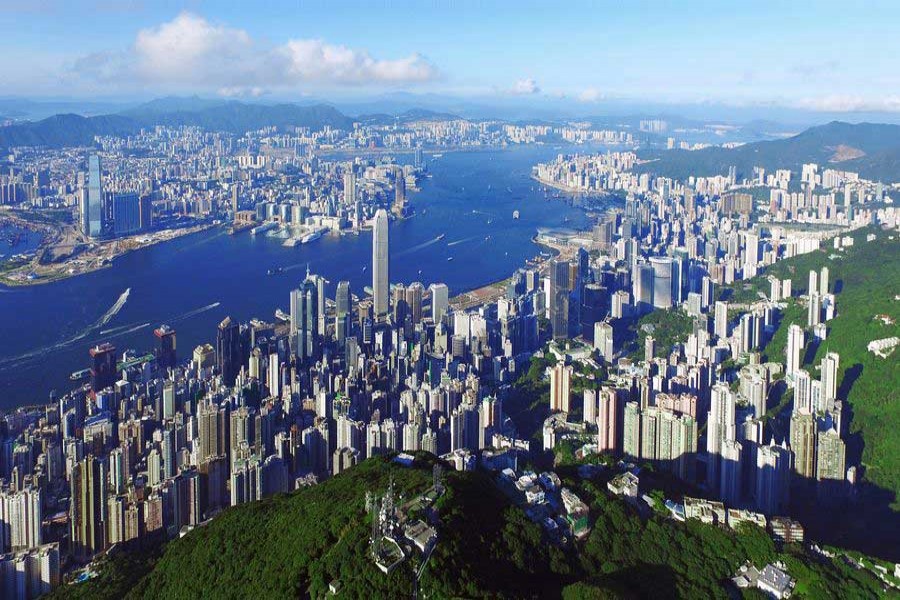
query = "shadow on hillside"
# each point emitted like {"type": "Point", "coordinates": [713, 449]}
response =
{"type": "Point", "coordinates": [838, 286]}
{"type": "Point", "coordinates": [643, 580]}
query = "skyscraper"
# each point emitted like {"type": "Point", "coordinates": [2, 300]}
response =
{"type": "Point", "coordinates": [380, 280]}
{"type": "Point", "coordinates": [95, 218]}
{"type": "Point", "coordinates": [305, 319]}
{"type": "Point", "coordinates": [342, 310]}
{"type": "Point", "coordinates": [88, 501]}
{"type": "Point", "coordinates": [603, 340]}
{"type": "Point", "coordinates": [103, 366]}
{"type": "Point", "coordinates": [607, 420]}
{"type": "Point", "coordinates": [559, 298]}
{"type": "Point", "coordinates": [560, 387]}
{"type": "Point", "coordinates": [440, 301]}
{"type": "Point", "coordinates": [228, 350]}
{"type": "Point", "coordinates": [794, 348]}
{"type": "Point", "coordinates": [165, 350]}
{"type": "Point", "coordinates": [662, 281]}
{"type": "Point", "coordinates": [829, 371]}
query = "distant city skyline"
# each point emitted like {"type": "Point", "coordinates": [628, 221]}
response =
{"type": "Point", "coordinates": [812, 57]}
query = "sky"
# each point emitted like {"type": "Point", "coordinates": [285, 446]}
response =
{"type": "Point", "coordinates": [817, 56]}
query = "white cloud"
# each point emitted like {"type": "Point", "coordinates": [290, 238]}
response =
{"type": "Point", "coordinates": [525, 87]}
{"type": "Point", "coordinates": [839, 103]}
{"type": "Point", "coordinates": [192, 50]}
{"type": "Point", "coordinates": [590, 95]}
{"type": "Point", "coordinates": [314, 60]}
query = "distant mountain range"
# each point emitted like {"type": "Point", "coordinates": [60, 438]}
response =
{"type": "Point", "coordinates": [871, 149]}
{"type": "Point", "coordinates": [232, 116]}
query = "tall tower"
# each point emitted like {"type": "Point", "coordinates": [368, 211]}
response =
{"type": "Point", "coordinates": [95, 220]}
{"type": "Point", "coordinates": [380, 281]}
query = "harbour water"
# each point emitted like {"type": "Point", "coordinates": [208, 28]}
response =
{"type": "Point", "coordinates": [192, 283]}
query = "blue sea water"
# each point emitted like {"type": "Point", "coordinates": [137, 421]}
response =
{"type": "Point", "coordinates": [192, 283]}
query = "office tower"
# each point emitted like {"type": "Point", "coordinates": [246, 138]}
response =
{"type": "Point", "coordinates": [594, 308]}
{"type": "Point", "coordinates": [794, 348]}
{"type": "Point", "coordinates": [720, 327]}
{"type": "Point", "coordinates": [349, 187]}
{"type": "Point", "coordinates": [831, 454]}
{"type": "Point", "coordinates": [380, 281]}
{"type": "Point", "coordinates": [559, 298]}
{"type": "Point", "coordinates": [772, 478]}
{"type": "Point", "coordinates": [342, 310]}
{"type": "Point", "coordinates": [399, 192]}
{"type": "Point", "coordinates": [146, 212]}
{"type": "Point", "coordinates": [103, 366]}
{"type": "Point", "coordinates": [398, 303]}
{"type": "Point", "coordinates": [84, 209]}
{"type": "Point", "coordinates": [607, 420]}
{"type": "Point", "coordinates": [603, 340]}
{"type": "Point", "coordinates": [305, 319]}
{"type": "Point", "coordinates": [96, 213]}
{"type": "Point", "coordinates": [165, 347]}
{"type": "Point", "coordinates": [662, 281]}
{"type": "Point", "coordinates": [20, 519]}
{"type": "Point", "coordinates": [126, 212]}
{"type": "Point", "coordinates": [803, 443]}
{"type": "Point", "coordinates": [228, 350]}
{"type": "Point", "coordinates": [829, 373]}
{"type": "Point", "coordinates": [274, 375]}
{"type": "Point", "coordinates": [589, 412]}
{"type": "Point", "coordinates": [560, 387]}
{"type": "Point", "coordinates": [440, 301]}
{"type": "Point", "coordinates": [235, 191]}
{"type": "Point", "coordinates": [642, 286]}
{"type": "Point", "coordinates": [414, 295]}
{"type": "Point", "coordinates": [87, 507]}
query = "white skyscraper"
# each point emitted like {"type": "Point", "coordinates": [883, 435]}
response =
{"type": "Point", "coordinates": [380, 280]}
{"type": "Point", "coordinates": [795, 344]}
{"type": "Point", "coordinates": [829, 373]}
{"type": "Point", "coordinates": [440, 301]}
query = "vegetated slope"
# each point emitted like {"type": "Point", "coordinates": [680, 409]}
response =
{"type": "Point", "coordinates": [65, 130]}
{"type": "Point", "coordinates": [825, 145]}
{"type": "Point", "coordinates": [234, 117]}
{"type": "Point", "coordinates": [866, 278]}
{"type": "Point", "coordinates": [294, 545]}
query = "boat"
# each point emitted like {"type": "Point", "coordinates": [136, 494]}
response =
{"type": "Point", "coordinates": [79, 375]}
{"type": "Point", "coordinates": [281, 315]}
{"type": "Point", "coordinates": [365, 267]}
{"type": "Point", "coordinates": [274, 271]}
{"type": "Point", "coordinates": [449, 259]}
{"type": "Point", "coordinates": [313, 236]}
{"type": "Point", "coordinates": [515, 214]}
{"type": "Point", "coordinates": [442, 236]}
{"type": "Point", "coordinates": [436, 156]}
{"type": "Point", "coordinates": [509, 189]}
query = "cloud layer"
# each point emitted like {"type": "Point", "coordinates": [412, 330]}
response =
{"type": "Point", "coordinates": [191, 50]}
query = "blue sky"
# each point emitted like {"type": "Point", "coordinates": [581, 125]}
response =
{"type": "Point", "coordinates": [817, 55]}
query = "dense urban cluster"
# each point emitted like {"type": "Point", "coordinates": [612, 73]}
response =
{"type": "Point", "coordinates": [153, 446]}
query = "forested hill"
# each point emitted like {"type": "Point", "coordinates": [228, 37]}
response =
{"type": "Point", "coordinates": [232, 116]}
{"type": "Point", "coordinates": [871, 149]}
{"type": "Point", "coordinates": [294, 545]}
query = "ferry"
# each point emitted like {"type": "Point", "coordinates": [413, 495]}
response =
{"type": "Point", "coordinates": [311, 237]}
{"type": "Point", "coordinates": [449, 259]}
{"type": "Point", "coordinates": [442, 236]}
{"type": "Point", "coordinates": [79, 375]}
{"type": "Point", "coordinates": [515, 214]}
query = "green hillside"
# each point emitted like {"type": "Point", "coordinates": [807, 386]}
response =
{"type": "Point", "coordinates": [294, 545]}
{"type": "Point", "coordinates": [872, 149]}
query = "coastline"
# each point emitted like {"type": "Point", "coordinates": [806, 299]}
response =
{"type": "Point", "coordinates": [60, 271]}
